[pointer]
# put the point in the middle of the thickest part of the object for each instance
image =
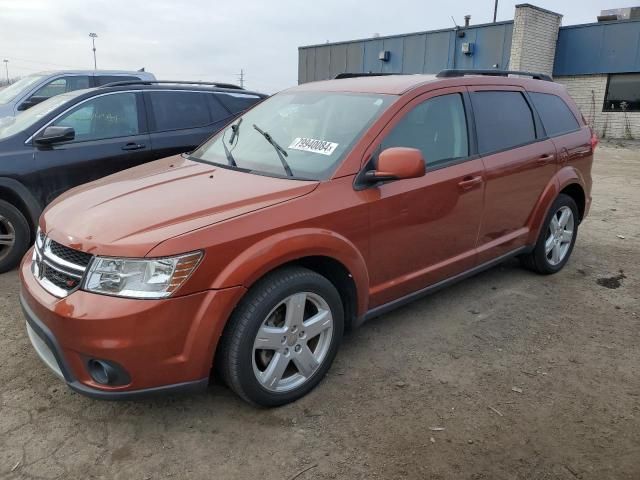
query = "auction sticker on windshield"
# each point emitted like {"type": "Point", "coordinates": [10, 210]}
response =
{"type": "Point", "coordinates": [313, 145]}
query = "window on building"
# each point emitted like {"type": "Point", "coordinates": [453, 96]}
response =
{"type": "Point", "coordinates": [556, 116]}
{"type": "Point", "coordinates": [503, 120]}
{"type": "Point", "coordinates": [179, 110]}
{"type": "Point", "coordinates": [623, 93]}
{"type": "Point", "coordinates": [437, 127]}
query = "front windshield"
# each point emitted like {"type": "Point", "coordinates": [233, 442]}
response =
{"type": "Point", "coordinates": [307, 133]}
{"type": "Point", "coordinates": [12, 91]}
{"type": "Point", "coordinates": [12, 125]}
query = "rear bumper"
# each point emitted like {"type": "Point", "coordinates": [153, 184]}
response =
{"type": "Point", "coordinates": [163, 345]}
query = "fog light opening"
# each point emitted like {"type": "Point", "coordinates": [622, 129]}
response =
{"type": "Point", "coordinates": [102, 372]}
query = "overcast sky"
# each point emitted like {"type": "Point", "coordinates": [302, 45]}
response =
{"type": "Point", "coordinates": [213, 40]}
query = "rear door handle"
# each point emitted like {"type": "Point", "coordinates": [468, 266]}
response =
{"type": "Point", "coordinates": [469, 182]}
{"type": "Point", "coordinates": [133, 146]}
{"type": "Point", "coordinates": [546, 158]}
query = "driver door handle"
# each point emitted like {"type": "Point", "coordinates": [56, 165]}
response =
{"type": "Point", "coordinates": [133, 146]}
{"type": "Point", "coordinates": [469, 182]}
{"type": "Point", "coordinates": [543, 159]}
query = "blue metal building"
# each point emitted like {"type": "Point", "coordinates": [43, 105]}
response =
{"type": "Point", "coordinates": [598, 62]}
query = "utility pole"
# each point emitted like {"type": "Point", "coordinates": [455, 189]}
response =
{"type": "Point", "coordinates": [6, 67]}
{"type": "Point", "coordinates": [93, 41]}
{"type": "Point", "coordinates": [241, 76]}
{"type": "Point", "coordinates": [495, 11]}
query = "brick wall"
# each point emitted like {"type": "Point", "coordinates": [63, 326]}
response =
{"type": "Point", "coordinates": [533, 45]}
{"type": "Point", "coordinates": [588, 91]}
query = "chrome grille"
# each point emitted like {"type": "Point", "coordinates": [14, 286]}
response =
{"type": "Point", "coordinates": [57, 268]}
{"type": "Point", "coordinates": [70, 255]}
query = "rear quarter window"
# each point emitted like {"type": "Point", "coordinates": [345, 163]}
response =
{"type": "Point", "coordinates": [503, 120]}
{"type": "Point", "coordinates": [556, 116]}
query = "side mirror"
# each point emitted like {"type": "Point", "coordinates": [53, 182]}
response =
{"type": "Point", "coordinates": [396, 163]}
{"type": "Point", "coordinates": [30, 102]}
{"type": "Point", "coordinates": [51, 135]}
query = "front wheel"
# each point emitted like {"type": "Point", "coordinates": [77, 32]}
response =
{"type": "Point", "coordinates": [557, 237]}
{"type": "Point", "coordinates": [282, 338]}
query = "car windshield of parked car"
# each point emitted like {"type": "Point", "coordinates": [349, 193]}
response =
{"type": "Point", "coordinates": [12, 91]}
{"type": "Point", "coordinates": [303, 135]}
{"type": "Point", "coordinates": [12, 125]}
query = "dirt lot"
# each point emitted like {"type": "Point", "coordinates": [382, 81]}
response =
{"type": "Point", "coordinates": [508, 375]}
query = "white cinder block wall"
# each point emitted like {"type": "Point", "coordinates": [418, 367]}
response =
{"type": "Point", "coordinates": [533, 44]}
{"type": "Point", "coordinates": [533, 49]}
{"type": "Point", "coordinates": [588, 91]}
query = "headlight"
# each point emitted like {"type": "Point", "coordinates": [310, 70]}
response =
{"type": "Point", "coordinates": [140, 278]}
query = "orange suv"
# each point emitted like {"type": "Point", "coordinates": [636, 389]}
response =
{"type": "Point", "coordinates": [323, 206]}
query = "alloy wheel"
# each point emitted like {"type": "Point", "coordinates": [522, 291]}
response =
{"type": "Point", "coordinates": [292, 342]}
{"type": "Point", "coordinates": [7, 237]}
{"type": "Point", "coordinates": [559, 235]}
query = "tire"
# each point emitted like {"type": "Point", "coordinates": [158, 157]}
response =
{"type": "Point", "coordinates": [545, 261]}
{"type": "Point", "coordinates": [302, 355]}
{"type": "Point", "coordinates": [14, 228]}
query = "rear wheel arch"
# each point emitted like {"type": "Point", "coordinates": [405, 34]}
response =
{"type": "Point", "coordinates": [575, 191]}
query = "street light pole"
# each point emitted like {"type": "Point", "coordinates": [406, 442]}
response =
{"type": "Point", "coordinates": [93, 41]}
{"type": "Point", "coordinates": [6, 67]}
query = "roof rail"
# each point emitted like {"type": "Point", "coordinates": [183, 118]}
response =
{"type": "Point", "coordinates": [498, 73]}
{"type": "Point", "coordinates": [174, 82]}
{"type": "Point", "coordinates": [367, 74]}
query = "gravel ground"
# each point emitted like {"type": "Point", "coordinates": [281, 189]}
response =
{"type": "Point", "coordinates": [508, 375]}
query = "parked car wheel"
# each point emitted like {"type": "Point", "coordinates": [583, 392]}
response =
{"type": "Point", "coordinates": [282, 338]}
{"type": "Point", "coordinates": [557, 237]}
{"type": "Point", "coordinates": [14, 236]}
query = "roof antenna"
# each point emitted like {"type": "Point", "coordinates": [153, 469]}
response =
{"type": "Point", "coordinates": [454, 21]}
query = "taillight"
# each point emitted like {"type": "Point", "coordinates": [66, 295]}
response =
{"type": "Point", "coordinates": [594, 140]}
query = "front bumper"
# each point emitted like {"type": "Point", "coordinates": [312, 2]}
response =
{"type": "Point", "coordinates": [164, 345]}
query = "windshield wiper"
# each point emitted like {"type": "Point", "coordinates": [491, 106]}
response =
{"type": "Point", "coordinates": [279, 150]}
{"type": "Point", "coordinates": [234, 131]}
{"type": "Point", "coordinates": [227, 152]}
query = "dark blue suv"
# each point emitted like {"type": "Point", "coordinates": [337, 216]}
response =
{"type": "Point", "coordinates": [80, 136]}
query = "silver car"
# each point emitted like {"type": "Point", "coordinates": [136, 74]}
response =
{"type": "Point", "coordinates": [33, 89]}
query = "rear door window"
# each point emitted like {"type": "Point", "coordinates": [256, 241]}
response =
{"type": "Point", "coordinates": [556, 116]}
{"type": "Point", "coordinates": [178, 110]}
{"type": "Point", "coordinates": [504, 120]}
{"type": "Point", "coordinates": [437, 127]}
{"type": "Point", "coordinates": [105, 79]}
{"type": "Point", "coordinates": [237, 102]}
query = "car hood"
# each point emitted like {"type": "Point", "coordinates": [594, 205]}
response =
{"type": "Point", "coordinates": [6, 111]}
{"type": "Point", "coordinates": [129, 213]}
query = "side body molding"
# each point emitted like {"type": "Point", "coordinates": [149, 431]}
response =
{"type": "Point", "coordinates": [284, 247]}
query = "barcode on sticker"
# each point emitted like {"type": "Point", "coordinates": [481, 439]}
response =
{"type": "Point", "coordinates": [313, 145]}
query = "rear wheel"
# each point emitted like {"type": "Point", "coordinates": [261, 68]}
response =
{"type": "Point", "coordinates": [14, 236]}
{"type": "Point", "coordinates": [557, 237]}
{"type": "Point", "coordinates": [282, 338]}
